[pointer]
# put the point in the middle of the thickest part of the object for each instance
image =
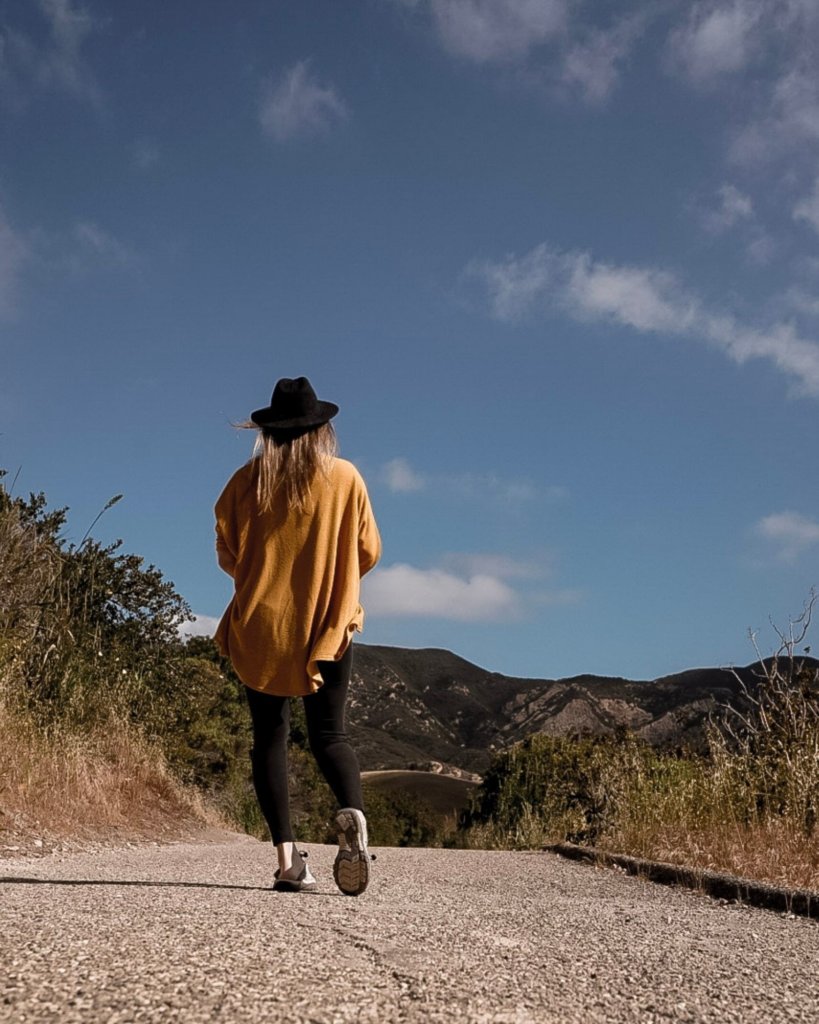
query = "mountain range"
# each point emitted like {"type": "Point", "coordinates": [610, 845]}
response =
{"type": "Point", "coordinates": [430, 709]}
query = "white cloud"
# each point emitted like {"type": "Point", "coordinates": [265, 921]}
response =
{"type": "Point", "coordinates": [298, 105]}
{"type": "Point", "coordinates": [717, 39]}
{"type": "Point", "coordinates": [56, 64]}
{"type": "Point", "coordinates": [763, 56]}
{"type": "Point", "coordinates": [761, 248]}
{"type": "Point", "coordinates": [466, 587]}
{"type": "Point", "coordinates": [647, 299]}
{"type": "Point", "coordinates": [499, 566]}
{"type": "Point", "coordinates": [96, 241]}
{"type": "Point", "coordinates": [401, 478]}
{"type": "Point", "coordinates": [199, 625]}
{"type": "Point", "coordinates": [792, 533]}
{"type": "Point", "coordinates": [548, 48]}
{"type": "Point", "coordinates": [86, 248]}
{"type": "Point", "coordinates": [802, 301]}
{"type": "Point", "coordinates": [516, 283]}
{"type": "Point", "coordinates": [808, 208]}
{"type": "Point", "coordinates": [14, 254]}
{"type": "Point", "coordinates": [146, 154]}
{"type": "Point", "coordinates": [787, 119]}
{"type": "Point", "coordinates": [592, 64]}
{"type": "Point", "coordinates": [496, 30]}
{"type": "Point", "coordinates": [734, 210]}
{"type": "Point", "coordinates": [403, 591]}
{"type": "Point", "coordinates": [477, 485]}
{"type": "Point", "coordinates": [732, 207]}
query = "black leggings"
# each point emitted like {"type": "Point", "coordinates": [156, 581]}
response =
{"type": "Point", "coordinates": [324, 711]}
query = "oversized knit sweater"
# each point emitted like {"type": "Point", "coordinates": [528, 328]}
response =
{"type": "Point", "coordinates": [296, 577]}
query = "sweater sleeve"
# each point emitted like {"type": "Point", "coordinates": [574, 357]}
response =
{"type": "Point", "coordinates": [224, 556]}
{"type": "Point", "coordinates": [225, 542]}
{"type": "Point", "coordinates": [369, 539]}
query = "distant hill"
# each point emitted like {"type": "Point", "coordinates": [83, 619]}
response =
{"type": "Point", "coordinates": [410, 707]}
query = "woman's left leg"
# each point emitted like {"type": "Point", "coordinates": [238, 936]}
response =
{"type": "Point", "coordinates": [324, 711]}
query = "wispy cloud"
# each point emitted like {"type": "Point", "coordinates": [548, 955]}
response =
{"type": "Point", "coordinates": [803, 301]}
{"type": "Point", "coordinates": [792, 534]}
{"type": "Point", "coordinates": [146, 154]}
{"type": "Point", "coordinates": [594, 62]}
{"type": "Point", "coordinates": [401, 478]}
{"type": "Point", "coordinates": [721, 41]}
{"type": "Point", "coordinates": [15, 251]}
{"type": "Point", "coordinates": [496, 30]}
{"type": "Point", "coordinates": [492, 485]}
{"type": "Point", "coordinates": [716, 39]}
{"type": "Point", "coordinates": [732, 206]}
{"type": "Point", "coordinates": [732, 210]}
{"type": "Point", "coordinates": [785, 122]}
{"type": "Point", "coordinates": [649, 300]}
{"type": "Point", "coordinates": [544, 41]}
{"type": "Point", "coordinates": [808, 208]}
{"type": "Point", "coordinates": [93, 240]}
{"type": "Point", "coordinates": [498, 566]}
{"type": "Point", "coordinates": [84, 248]}
{"type": "Point", "coordinates": [298, 105]}
{"type": "Point", "coordinates": [55, 63]}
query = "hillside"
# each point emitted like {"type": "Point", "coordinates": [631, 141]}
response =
{"type": "Point", "coordinates": [412, 707]}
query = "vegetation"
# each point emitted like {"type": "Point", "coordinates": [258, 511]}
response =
{"type": "Point", "coordinates": [115, 720]}
{"type": "Point", "coordinates": [86, 681]}
{"type": "Point", "coordinates": [747, 805]}
{"type": "Point", "coordinates": [112, 721]}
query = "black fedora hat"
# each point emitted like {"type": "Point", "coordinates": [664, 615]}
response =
{"type": "Point", "coordinates": [294, 405]}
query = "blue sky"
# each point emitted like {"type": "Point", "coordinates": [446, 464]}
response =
{"type": "Point", "coordinates": [558, 263]}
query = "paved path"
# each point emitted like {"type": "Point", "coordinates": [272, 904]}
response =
{"type": "Point", "coordinates": [193, 933]}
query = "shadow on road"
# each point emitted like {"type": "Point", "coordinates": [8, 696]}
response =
{"type": "Point", "coordinates": [21, 880]}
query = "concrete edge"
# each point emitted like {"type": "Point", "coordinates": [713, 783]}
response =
{"type": "Point", "coordinates": [800, 902]}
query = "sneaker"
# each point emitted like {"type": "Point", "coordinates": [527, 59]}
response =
{"type": "Point", "coordinates": [304, 882]}
{"type": "Point", "coordinates": [352, 865]}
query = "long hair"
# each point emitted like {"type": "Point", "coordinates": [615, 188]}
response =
{"type": "Point", "coordinates": [288, 460]}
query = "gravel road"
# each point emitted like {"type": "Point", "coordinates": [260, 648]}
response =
{"type": "Point", "coordinates": [192, 932]}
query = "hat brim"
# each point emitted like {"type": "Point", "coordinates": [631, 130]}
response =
{"type": "Point", "coordinates": [323, 412]}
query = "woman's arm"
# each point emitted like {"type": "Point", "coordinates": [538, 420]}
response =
{"type": "Point", "coordinates": [224, 556]}
{"type": "Point", "coordinates": [369, 539]}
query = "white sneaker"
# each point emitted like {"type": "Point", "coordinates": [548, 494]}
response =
{"type": "Point", "coordinates": [352, 865]}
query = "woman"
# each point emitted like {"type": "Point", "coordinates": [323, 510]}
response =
{"type": "Point", "coordinates": [295, 530]}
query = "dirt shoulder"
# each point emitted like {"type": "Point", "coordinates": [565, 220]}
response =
{"type": "Point", "coordinates": [35, 844]}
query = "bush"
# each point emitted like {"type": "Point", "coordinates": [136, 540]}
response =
{"type": "Point", "coordinates": [749, 801]}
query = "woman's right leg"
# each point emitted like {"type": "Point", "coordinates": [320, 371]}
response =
{"type": "Point", "coordinates": [268, 757]}
{"type": "Point", "coordinates": [324, 712]}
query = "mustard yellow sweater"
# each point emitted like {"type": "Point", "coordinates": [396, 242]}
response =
{"type": "Point", "coordinates": [296, 577]}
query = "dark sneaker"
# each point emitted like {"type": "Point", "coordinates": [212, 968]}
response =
{"type": "Point", "coordinates": [304, 882]}
{"type": "Point", "coordinates": [352, 866]}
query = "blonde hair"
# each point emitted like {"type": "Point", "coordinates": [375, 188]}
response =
{"type": "Point", "coordinates": [289, 460]}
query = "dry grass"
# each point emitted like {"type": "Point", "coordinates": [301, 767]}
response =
{"type": "Point", "coordinates": [108, 783]}
{"type": "Point", "coordinates": [770, 852]}
{"type": "Point", "coordinates": [749, 806]}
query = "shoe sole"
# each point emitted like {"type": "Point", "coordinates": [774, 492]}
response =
{"type": "Point", "coordinates": [351, 869]}
{"type": "Point", "coordinates": [286, 885]}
